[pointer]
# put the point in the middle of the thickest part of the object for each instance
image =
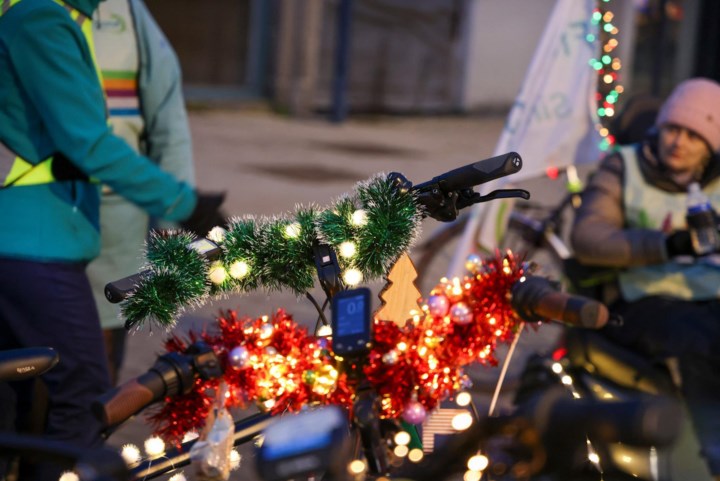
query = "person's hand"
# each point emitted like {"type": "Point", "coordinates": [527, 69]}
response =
{"type": "Point", "coordinates": [207, 213]}
{"type": "Point", "coordinates": [679, 244]}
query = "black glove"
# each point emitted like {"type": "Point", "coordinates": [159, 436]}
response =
{"type": "Point", "coordinates": [207, 213]}
{"type": "Point", "coordinates": [679, 244]}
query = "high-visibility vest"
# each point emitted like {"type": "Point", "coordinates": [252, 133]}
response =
{"type": "Point", "coordinates": [648, 207]}
{"type": "Point", "coordinates": [14, 170]}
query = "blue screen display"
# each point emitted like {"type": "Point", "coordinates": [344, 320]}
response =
{"type": "Point", "coordinates": [350, 315]}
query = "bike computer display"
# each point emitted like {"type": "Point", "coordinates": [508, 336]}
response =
{"type": "Point", "coordinates": [351, 324]}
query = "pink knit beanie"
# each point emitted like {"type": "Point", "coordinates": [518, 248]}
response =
{"type": "Point", "coordinates": [695, 104]}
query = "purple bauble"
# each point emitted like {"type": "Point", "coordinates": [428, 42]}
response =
{"type": "Point", "coordinates": [461, 313]}
{"type": "Point", "coordinates": [239, 357]}
{"type": "Point", "coordinates": [438, 305]}
{"type": "Point", "coordinates": [414, 412]}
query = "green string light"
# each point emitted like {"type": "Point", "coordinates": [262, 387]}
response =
{"type": "Point", "coordinates": [607, 69]}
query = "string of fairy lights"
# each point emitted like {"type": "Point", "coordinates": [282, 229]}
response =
{"type": "Point", "coordinates": [609, 89]}
{"type": "Point", "coordinates": [607, 66]}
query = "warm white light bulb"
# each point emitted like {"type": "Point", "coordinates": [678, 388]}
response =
{"type": "Point", "coordinates": [462, 421]}
{"type": "Point", "coordinates": [402, 438]}
{"type": "Point", "coordinates": [293, 230]}
{"type": "Point", "coordinates": [154, 446]}
{"type": "Point", "coordinates": [463, 399]}
{"type": "Point", "coordinates": [69, 476]}
{"type": "Point", "coordinates": [401, 451]}
{"type": "Point", "coordinates": [359, 218]}
{"type": "Point", "coordinates": [130, 453]}
{"type": "Point", "coordinates": [324, 331]}
{"type": "Point", "coordinates": [357, 466]}
{"type": "Point", "coordinates": [415, 455]}
{"type": "Point", "coordinates": [235, 459]}
{"type": "Point", "coordinates": [239, 269]}
{"type": "Point", "coordinates": [472, 476]}
{"type": "Point", "coordinates": [217, 274]}
{"type": "Point", "coordinates": [217, 235]}
{"type": "Point", "coordinates": [347, 249]}
{"type": "Point", "coordinates": [352, 277]}
{"type": "Point", "coordinates": [478, 463]}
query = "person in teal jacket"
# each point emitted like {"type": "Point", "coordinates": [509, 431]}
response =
{"type": "Point", "coordinates": [142, 83]}
{"type": "Point", "coordinates": [56, 149]}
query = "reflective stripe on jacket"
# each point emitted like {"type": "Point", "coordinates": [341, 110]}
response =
{"type": "Point", "coordinates": [16, 171]}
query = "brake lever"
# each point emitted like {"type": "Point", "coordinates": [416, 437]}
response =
{"type": "Point", "coordinates": [503, 194]}
{"type": "Point", "coordinates": [468, 197]}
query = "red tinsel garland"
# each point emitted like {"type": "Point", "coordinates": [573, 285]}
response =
{"type": "Point", "coordinates": [277, 365]}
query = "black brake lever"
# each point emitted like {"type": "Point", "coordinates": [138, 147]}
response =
{"type": "Point", "coordinates": [504, 194]}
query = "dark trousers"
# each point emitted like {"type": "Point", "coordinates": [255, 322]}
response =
{"type": "Point", "coordinates": [51, 304]}
{"type": "Point", "coordinates": [661, 327]}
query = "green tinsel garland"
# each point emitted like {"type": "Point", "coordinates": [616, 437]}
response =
{"type": "Point", "coordinates": [379, 221]}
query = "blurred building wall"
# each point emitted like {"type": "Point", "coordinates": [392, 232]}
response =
{"type": "Point", "coordinates": [413, 56]}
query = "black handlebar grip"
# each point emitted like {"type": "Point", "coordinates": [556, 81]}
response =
{"type": "Point", "coordinates": [535, 297]}
{"type": "Point", "coordinates": [647, 421]}
{"type": "Point", "coordinates": [119, 404]}
{"type": "Point", "coordinates": [26, 363]}
{"type": "Point", "coordinates": [118, 291]}
{"type": "Point", "coordinates": [477, 173]}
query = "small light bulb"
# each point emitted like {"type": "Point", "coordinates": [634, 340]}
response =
{"type": "Point", "coordinates": [154, 446]}
{"type": "Point", "coordinates": [478, 463]}
{"type": "Point", "coordinates": [352, 277]}
{"type": "Point", "coordinates": [293, 230]}
{"type": "Point", "coordinates": [235, 459]}
{"type": "Point", "coordinates": [130, 453]}
{"type": "Point", "coordinates": [357, 466]}
{"type": "Point", "coordinates": [462, 421]}
{"type": "Point", "coordinates": [347, 249]}
{"type": "Point", "coordinates": [324, 331]}
{"type": "Point", "coordinates": [472, 476]}
{"type": "Point", "coordinates": [401, 451]}
{"type": "Point", "coordinates": [69, 476]}
{"type": "Point", "coordinates": [217, 235]}
{"type": "Point", "coordinates": [402, 438]}
{"type": "Point", "coordinates": [217, 274]}
{"type": "Point", "coordinates": [463, 399]}
{"type": "Point", "coordinates": [239, 269]}
{"type": "Point", "coordinates": [359, 218]}
{"type": "Point", "coordinates": [415, 455]}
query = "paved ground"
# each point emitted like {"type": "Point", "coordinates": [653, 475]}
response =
{"type": "Point", "coordinates": [268, 163]}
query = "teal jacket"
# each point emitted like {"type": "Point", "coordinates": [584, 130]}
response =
{"type": "Point", "coordinates": [51, 101]}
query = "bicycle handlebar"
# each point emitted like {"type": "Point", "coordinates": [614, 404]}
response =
{"type": "Point", "coordinates": [553, 415]}
{"type": "Point", "coordinates": [440, 197]}
{"type": "Point", "coordinates": [648, 421]}
{"type": "Point", "coordinates": [172, 374]}
{"type": "Point", "coordinates": [96, 464]}
{"type": "Point", "coordinates": [26, 363]}
{"type": "Point", "coordinates": [536, 298]}
{"type": "Point", "coordinates": [474, 174]}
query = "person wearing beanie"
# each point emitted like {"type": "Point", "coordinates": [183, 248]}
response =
{"type": "Point", "coordinates": [632, 219]}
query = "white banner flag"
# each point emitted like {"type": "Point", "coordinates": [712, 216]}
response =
{"type": "Point", "coordinates": [553, 119]}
